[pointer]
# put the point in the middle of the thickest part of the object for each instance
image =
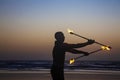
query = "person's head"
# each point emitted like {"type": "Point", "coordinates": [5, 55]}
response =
{"type": "Point", "coordinates": [59, 36]}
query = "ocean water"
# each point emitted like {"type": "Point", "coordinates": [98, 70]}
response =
{"type": "Point", "coordinates": [37, 65]}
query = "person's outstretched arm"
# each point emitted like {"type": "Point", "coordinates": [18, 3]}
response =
{"type": "Point", "coordinates": [74, 51]}
{"type": "Point", "coordinates": [70, 46]}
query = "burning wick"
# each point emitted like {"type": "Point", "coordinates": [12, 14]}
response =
{"type": "Point", "coordinates": [70, 31]}
{"type": "Point", "coordinates": [105, 48]}
{"type": "Point", "coordinates": [72, 61]}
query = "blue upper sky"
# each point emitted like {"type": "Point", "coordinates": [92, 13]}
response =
{"type": "Point", "coordinates": [31, 24]}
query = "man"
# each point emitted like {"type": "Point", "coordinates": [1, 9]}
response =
{"type": "Point", "coordinates": [57, 69]}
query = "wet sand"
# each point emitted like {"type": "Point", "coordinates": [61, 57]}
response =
{"type": "Point", "coordinates": [40, 75]}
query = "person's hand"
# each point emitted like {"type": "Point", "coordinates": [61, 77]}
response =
{"type": "Point", "coordinates": [90, 41]}
{"type": "Point", "coordinates": [86, 53]}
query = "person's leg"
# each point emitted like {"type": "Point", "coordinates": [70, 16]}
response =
{"type": "Point", "coordinates": [55, 74]}
{"type": "Point", "coordinates": [51, 71]}
{"type": "Point", "coordinates": [61, 74]}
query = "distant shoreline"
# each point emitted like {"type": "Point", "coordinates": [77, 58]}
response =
{"type": "Point", "coordinates": [68, 71]}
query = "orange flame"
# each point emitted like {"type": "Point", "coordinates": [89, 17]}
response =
{"type": "Point", "coordinates": [72, 61]}
{"type": "Point", "coordinates": [105, 48]}
{"type": "Point", "coordinates": [70, 31]}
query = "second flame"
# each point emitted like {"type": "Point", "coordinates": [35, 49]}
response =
{"type": "Point", "coordinates": [70, 31]}
{"type": "Point", "coordinates": [105, 48]}
{"type": "Point", "coordinates": [72, 61]}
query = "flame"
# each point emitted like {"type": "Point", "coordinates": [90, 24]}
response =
{"type": "Point", "coordinates": [72, 61]}
{"type": "Point", "coordinates": [105, 48]}
{"type": "Point", "coordinates": [70, 31]}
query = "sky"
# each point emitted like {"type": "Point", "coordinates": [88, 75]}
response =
{"type": "Point", "coordinates": [27, 27]}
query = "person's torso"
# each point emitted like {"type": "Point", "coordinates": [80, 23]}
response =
{"type": "Point", "coordinates": [58, 55]}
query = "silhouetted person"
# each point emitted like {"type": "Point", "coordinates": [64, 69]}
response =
{"type": "Point", "coordinates": [57, 69]}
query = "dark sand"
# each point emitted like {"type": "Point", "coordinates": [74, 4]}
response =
{"type": "Point", "coordinates": [81, 75]}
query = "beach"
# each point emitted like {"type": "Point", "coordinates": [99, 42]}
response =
{"type": "Point", "coordinates": [69, 75]}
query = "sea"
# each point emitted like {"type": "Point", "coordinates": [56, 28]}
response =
{"type": "Point", "coordinates": [38, 65]}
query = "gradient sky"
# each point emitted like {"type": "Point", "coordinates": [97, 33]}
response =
{"type": "Point", "coordinates": [27, 27]}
